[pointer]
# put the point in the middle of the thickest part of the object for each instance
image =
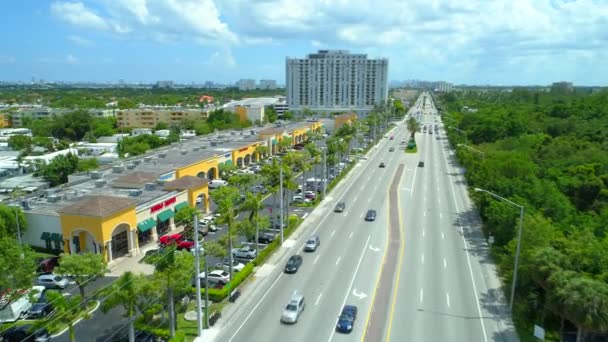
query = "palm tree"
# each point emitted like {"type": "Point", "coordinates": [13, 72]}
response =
{"type": "Point", "coordinates": [123, 292]}
{"type": "Point", "coordinates": [262, 152]}
{"type": "Point", "coordinates": [69, 310]}
{"type": "Point", "coordinates": [226, 199]}
{"type": "Point", "coordinates": [413, 126]}
{"type": "Point", "coordinates": [255, 204]}
{"type": "Point", "coordinates": [315, 154]}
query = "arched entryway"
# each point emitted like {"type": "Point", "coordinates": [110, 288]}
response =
{"type": "Point", "coordinates": [247, 159]}
{"type": "Point", "coordinates": [82, 241]}
{"type": "Point", "coordinates": [121, 241]}
{"type": "Point", "coordinates": [254, 157]}
{"type": "Point", "coordinates": [212, 173]}
{"type": "Point", "coordinates": [201, 175]}
{"type": "Point", "coordinates": [239, 162]}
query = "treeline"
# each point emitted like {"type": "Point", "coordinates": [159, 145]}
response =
{"type": "Point", "coordinates": [78, 98]}
{"type": "Point", "coordinates": [546, 151]}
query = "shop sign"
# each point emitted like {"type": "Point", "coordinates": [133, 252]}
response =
{"type": "Point", "coordinates": [162, 205]}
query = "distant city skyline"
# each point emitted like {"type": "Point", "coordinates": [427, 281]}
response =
{"type": "Point", "coordinates": [476, 42]}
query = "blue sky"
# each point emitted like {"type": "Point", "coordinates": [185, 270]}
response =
{"type": "Point", "coordinates": [507, 42]}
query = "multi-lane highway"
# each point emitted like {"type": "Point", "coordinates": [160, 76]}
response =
{"type": "Point", "coordinates": [419, 272]}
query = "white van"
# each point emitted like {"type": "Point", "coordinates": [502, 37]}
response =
{"type": "Point", "coordinates": [216, 183]}
{"type": "Point", "coordinates": [16, 309]}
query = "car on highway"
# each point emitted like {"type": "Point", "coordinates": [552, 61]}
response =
{"type": "Point", "coordinates": [382, 164]}
{"type": "Point", "coordinates": [294, 309]}
{"type": "Point", "coordinates": [421, 164]}
{"type": "Point", "coordinates": [340, 206]}
{"type": "Point", "coordinates": [246, 252]}
{"type": "Point", "coordinates": [391, 149]}
{"type": "Point", "coordinates": [370, 215]}
{"type": "Point", "coordinates": [347, 318]}
{"type": "Point", "coordinates": [52, 281]}
{"type": "Point", "coordinates": [312, 243]}
{"type": "Point", "coordinates": [225, 265]}
{"type": "Point", "coordinates": [293, 264]}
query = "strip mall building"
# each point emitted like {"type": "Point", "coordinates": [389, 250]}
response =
{"type": "Point", "coordinates": [116, 210]}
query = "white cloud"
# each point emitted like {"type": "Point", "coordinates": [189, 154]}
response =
{"type": "Point", "coordinates": [81, 41]}
{"type": "Point", "coordinates": [77, 14]}
{"type": "Point", "coordinates": [221, 59]}
{"type": "Point", "coordinates": [70, 59]}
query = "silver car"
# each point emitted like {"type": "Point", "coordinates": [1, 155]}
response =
{"type": "Point", "coordinates": [312, 243]}
{"type": "Point", "coordinates": [294, 309]}
{"type": "Point", "coordinates": [53, 281]}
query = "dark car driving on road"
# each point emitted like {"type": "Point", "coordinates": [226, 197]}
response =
{"type": "Point", "coordinates": [340, 207]}
{"type": "Point", "coordinates": [293, 264]}
{"type": "Point", "coordinates": [370, 215]}
{"type": "Point", "coordinates": [347, 319]}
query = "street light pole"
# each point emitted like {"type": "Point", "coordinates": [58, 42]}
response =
{"type": "Point", "coordinates": [324, 179]}
{"type": "Point", "coordinates": [518, 248]}
{"type": "Point", "coordinates": [197, 253]}
{"type": "Point", "coordinates": [281, 198]}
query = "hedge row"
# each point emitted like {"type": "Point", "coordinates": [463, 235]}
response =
{"type": "Point", "coordinates": [217, 295]}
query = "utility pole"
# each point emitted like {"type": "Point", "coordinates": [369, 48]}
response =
{"type": "Point", "coordinates": [324, 179]}
{"type": "Point", "coordinates": [281, 199]}
{"type": "Point", "coordinates": [19, 232]}
{"type": "Point", "coordinates": [197, 253]}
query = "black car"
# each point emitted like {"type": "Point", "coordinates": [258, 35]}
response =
{"type": "Point", "coordinates": [391, 149]}
{"type": "Point", "coordinates": [294, 262]}
{"type": "Point", "coordinates": [421, 164]}
{"type": "Point", "coordinates": [347, 319]}
{"type": "Point", "coordinates": [265, 238]}
{"type": "Point", "coordinates": [382, 164]}
{"type": "Point", "coordinates": [370, 215]}
{"type": "Point", "coordinates": [39, 310]}
{"type": "Point", "coordinates": [25, 333]}
{"type": "Point", "coordinates": [340, 207]}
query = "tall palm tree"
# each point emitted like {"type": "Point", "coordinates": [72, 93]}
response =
{"type": "Point", "coordinates": [413, 126]}
{"type": "Point", "coordinates": [255, 204]}
{"type": "Point", "coordinates": [262, 152]}
{"type": "Point", "coordinates": [123, 292]}
{"type": "Point", "coordinates": [226, 199]}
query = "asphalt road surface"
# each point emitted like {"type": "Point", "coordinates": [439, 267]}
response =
{"type": "Point", "coordinates": [344, 270]}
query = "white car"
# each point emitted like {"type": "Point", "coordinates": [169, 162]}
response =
{"type": "Point", "coordinates": [216, 183]}
{"type": "Point", "coordinates": [236, 266]}
{"type": "Point", "coordinates": [246, 252]}
{"type": "Point", "coordinates": [53, 281]}
{"type": "Point", "coordinates": [294, 308]}
{"type": "Point", "coordinates": [217, 276]}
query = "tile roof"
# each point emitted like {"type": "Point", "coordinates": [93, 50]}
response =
{"type": "Point", "coordinates": [186, 182]}
{"type": "Point", "coordinates": [97, 206]}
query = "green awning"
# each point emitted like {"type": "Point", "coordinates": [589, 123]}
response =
{"type": "Point", "coordinates": [45, 236]}
{"type": "Point", "coordinates": [179, 206]}
{"type": "Point", "coordinates": [57, 237]}
{"type": "Point", "coordinates": [146, 225]}
{"type": "Point", "coordinates": [165, 215]}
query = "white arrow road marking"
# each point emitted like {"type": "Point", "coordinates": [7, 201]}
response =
{"type": "Point", "coordinates": [318, 299]}
{"type": "Point", "coordinates": [445, 263]}
{"type": "Point", "coordinates": [442, 236]}
{"type": "Point", "coordinates": [332, 233]}
{"type": "Point", "coordinates": [358, 294]}
{"type": "Point", "coordinates": [316, 259]}
{"type": "Point", "coordinates": [351, 235]}
{"type": "Point", "coordinates": [422, 258]}
{"type": "Point", "coordinates": [421, 295]}
{"type": "Point", "coordinates": [374, 249]}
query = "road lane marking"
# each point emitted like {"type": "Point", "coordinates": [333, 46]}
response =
{"type": "Point", "coordinates": [421, 295]}
{"type": "Point", "coordinates": [355, 199]}
{"type": "Point", "coordinates": [346, 213]}
{"type": "Point", "coordinates": [422, 258]}
{"type": "Point", "coordinates": [425, 198]}
{"type": "Point", "coordinates": [318, 298]}
{"type": "Point", "coordinates": [438, 200]}
{"type": "Point", "coordinates": [316, 259]}
{"type": "Point", "coordinates": [447, 297]}
{"type": "Point", "coordinates": [361, 216]}
{"type": "Point", "coordinates": [424, 213]}
{"type": "Point", "coordinates": [440, 215]}
{"type": "Point", "coordinates": [332, 233]}
{"type": "Point", "coordinates": [350, 286]}
{"type": "Point", "coordinates": [338, 261]}
{"type": "Point", "coordinates": [423, 232]}
{"type": "Point", "coordinates": [442, 236]}
{"type": "Point", "coordinates": [369, 200]}
{"type": "Point", "coordinates": [351, 235]}
{"type": "Point", "coordinates": [445, 263]}
{"type": "Point", "coordinates": [363, 186]}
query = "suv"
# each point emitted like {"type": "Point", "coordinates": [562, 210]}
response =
{"type": "Point", "coordinates": [265, 238]}
{"type": "Point", "coordinates": [312, 243]}
{"type": "Point", "coordinates": [294, 309]}
{"type": "Point", "coordinates": [246, 252]}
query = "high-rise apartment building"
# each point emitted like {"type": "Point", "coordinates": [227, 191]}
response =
{"type": "Point", "coordinates": [246, 84]}
{"type": "Point", "coordinates": [268, 84]}
{"type": "Point", "coordinates": [443, 86]}
{"type": "Point", "coordinates": [336, 81]}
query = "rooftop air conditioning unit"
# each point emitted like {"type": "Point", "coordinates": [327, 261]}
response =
{"type": "Point", "coordinates": [96, 175]}
{"type": "Point", "coordinates": [135, 193]}
{"type": "Point", "coordinates": [162, 154]}
{"type": "Point", "coordinates": [136, 161]}
{"type": "Point", "coordinates": [150, 186]}
{"type": "Point", "coordinates": [53, 198]}
{"type": "Point", "coordinates": [195, 149]}
{"type": "Point", "coordinates": [100, 183]}
{"type": "Point", "coordinates": [118, 168]}
{"type": "Point", "coordinates": [49, 192]}
{"type": "Point", "coordinates": [147, 159]}
{"type": "Point", "coordinates": [184, 152]}
{"type": "Point", "coordinates": [213, 143]}
{"type": "Point", "coordinates": [130, 166]}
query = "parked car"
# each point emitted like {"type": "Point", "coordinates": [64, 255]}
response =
{"type": "Point", "coordinates": [340, 207]}
{"type": "Point", "coordinates": [311, 195]}
{"type": "Point", "coordinates": [169, 239]}
{"type": "Point", "coordinates": [347, 319]}
{"type": "Point", "coordinates": [217, 276]}
{"type": "Point", "coordinates": [312, 243]}
{"type": "Point", "coordinates": [225, 265]}
{"type": "Point", "coordinates": [15, 309]}
{"type": "Point", "coordinates": [47, 265]}
{"type": "Point", "coordinates": [294, 309]}
{"type": "Point", "coordinates": [293, 264]}
{"type": "Point", "coordinates": [216, 183]}
{"type": "Point", "coordinates": [52, 281]}
{"type": "Point", "coordinates": [39, 309]}
{"type": "Point", "coordinates": [370, 215]}
{"type": "Point", "coordinates": [265, 238]}
{"type": "Point", "coordinates": [25, 333]}
{"type": "Point", "coordinates": [246, 252]}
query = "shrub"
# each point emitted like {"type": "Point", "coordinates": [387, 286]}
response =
{"type": "Point", "coordinates": [218, 295]}
{"type": "Point", "coordinates": [264, 253]}
{"type": "Point", "coordinates": [180, 336]}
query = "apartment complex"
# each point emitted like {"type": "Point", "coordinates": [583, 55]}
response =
{"type": "Point", "coordinates": [443, 86]}
{"type": "Point", "coordinates": [150, 117]}
{"type": "Point", "coordinates": [246, 84]}
{"type": "Point", "coordinates": [336, 81]}
{"type": "Point", "coordinates": [268, 84]}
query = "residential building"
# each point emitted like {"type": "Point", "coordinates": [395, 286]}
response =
{"type": "Point", "coordinates": [281, 106]}
{"type": "Point", "coordinates": [164, 84]}
{"type": "Point", "coordinates": [336, 81]}
{"type": "Point", "coordinates": [246, 84]}
{"type": "Point", "coordinates": [5, 120]}
{"type": "Point", "coordinates": [443, 86]}
{"type": "Point", "coordinates": [150, 117]}
{"type": "Point", "coordinates": [268, 84]}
